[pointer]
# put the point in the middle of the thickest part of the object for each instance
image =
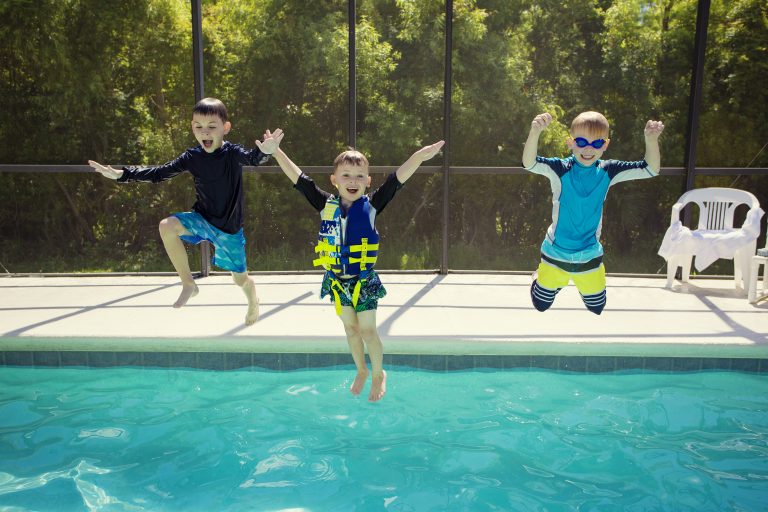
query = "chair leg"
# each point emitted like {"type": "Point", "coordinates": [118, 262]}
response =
{"type": "Point", "coordinates": [671, 269]}
{"type": "Point", "coordinates": [685, 272]}
{"type": "Point", "coordinates": [742, 268]}
{"type": "Point", "coordinates": [755, 272]}
{"type": "Point", "coordinates": [765, 276]}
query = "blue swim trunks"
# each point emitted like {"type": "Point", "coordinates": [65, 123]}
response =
{"type": "Point", "coordinates": [229, 250]}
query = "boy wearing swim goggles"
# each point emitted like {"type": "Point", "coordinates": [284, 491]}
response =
{"type": "Point", "coordinates": [571, 249]}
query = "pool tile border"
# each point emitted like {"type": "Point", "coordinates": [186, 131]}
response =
{"type": "Point", "coordinates": [223, 361]}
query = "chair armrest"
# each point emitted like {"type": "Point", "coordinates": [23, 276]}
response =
{"type": "Point", "coordinates": [752, 220]}
{"type": "Point", "coordinates": [676, 208]}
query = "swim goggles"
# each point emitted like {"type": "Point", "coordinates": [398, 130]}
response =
{"type": "Point", "coordinates": [582, 142]}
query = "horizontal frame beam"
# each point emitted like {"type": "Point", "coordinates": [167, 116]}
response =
{"type": "Point", "coordinates": [385, 169]}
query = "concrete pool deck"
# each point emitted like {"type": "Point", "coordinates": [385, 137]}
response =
{"type": "Point", "coordinates": [461, 314]}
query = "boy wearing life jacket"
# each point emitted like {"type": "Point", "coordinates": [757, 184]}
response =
{"type": "Point", "coordinates": [348, 245]}
{"type": "Point", "coordinates": [217, 215]}
{"type": "Point", "coordinates": [571, 249]}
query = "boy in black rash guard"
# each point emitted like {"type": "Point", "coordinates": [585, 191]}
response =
{"type": "Point", "coordinates": [348, 246]}
{"type": "Point", "coordinates": [217, 215]}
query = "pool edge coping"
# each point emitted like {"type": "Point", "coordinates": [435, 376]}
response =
{"type": "Point", "coordinates": [392, 345]}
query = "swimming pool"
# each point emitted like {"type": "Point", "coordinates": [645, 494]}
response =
{"type": "Point", "coordinates": [172, 439]}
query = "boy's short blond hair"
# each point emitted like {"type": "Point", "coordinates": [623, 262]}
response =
{"type": "Point", "coordinates": [350, 156]}
{"type": "Point", "coordinates": [594, 123]}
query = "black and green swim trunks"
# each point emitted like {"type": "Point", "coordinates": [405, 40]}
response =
{"type": "Point", "coordinates": [371, 290]}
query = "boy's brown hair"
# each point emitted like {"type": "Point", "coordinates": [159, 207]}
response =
{"type": "Point", "coordinates": [350, 156]}
{"type": "Point", "coordinates": [211, 107]}
{"type": "Point", "coordinates": [594, 123]}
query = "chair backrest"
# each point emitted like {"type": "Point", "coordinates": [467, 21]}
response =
{"type": "Point", "coordinates": [716, 205]}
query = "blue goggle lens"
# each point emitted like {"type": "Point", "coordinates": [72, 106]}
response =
{"type": "Point", "coordinates": [582, 142]}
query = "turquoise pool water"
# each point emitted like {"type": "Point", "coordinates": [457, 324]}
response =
{"type": "Point", "coordinates": [165, 440]}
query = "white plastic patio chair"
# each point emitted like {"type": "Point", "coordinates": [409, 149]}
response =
{"type": "Point", "coordinates": [715, 236]}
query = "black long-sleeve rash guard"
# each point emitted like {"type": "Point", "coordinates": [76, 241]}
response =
{"type": "Point", "coordinates": [218, 180]}
{"type": "Point", "coordinates": [317, 197]}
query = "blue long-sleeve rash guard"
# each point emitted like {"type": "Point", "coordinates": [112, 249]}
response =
{"type": "Point", "coordinates": [578, 194]}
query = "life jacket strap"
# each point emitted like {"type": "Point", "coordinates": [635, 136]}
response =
{"type": "Point", "coordinates": [336, 288]}
{"type": "Point", "coordinates": [363, 249]}
{"type": "Point", "coordinates": [336, 299]}
{"type": "Point", "coordinates": [325, 260]}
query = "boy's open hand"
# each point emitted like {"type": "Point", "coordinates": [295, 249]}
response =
{"type": "Point", "coordinates": [540, 122]}
{"type": "Point", "coordinates": [271, 141]}
{"type": "Point", "coordinates": [428, 152]}
{"type": "Point", "coordinates": [106, 170]}
{"type": "Point", "coordinates": [653, 128]}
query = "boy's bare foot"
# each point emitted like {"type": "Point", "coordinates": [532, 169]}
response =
{"type": "Point", "coordinates": [378, 386]}
{"type": "Point", "coordinates": [187, 292]}
{"type": "Point", "coordinates": [253, 303]}
{"type": "Point", "coordinates": [359, 382]}
{"type": "Point", "coordinates": [253, 312]}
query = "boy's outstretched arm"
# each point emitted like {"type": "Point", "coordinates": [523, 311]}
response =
{"type": "Point", "coordinates": [271, 145]}
{"type": "Point", "coordinates": [652, 153]}
{"type": "Point", "coordinates": [106, 170]}
{"type": "Point", "coordinates": [286, 164]}
{"type": "Point", "coordinates": [406, 170]}
{"type": "Point", "coordinates": [539, 123]}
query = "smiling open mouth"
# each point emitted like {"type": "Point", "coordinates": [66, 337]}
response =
{"type": "Point", "coordinates": [352, 190]}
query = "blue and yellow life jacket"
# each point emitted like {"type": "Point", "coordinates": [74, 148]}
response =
{"type": "Point", "coordinates": [350, 251]}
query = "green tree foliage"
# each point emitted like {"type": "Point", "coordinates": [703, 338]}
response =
{"type": "Point", "coordinates": [734, 124]}
{"type": "Point", "coordinates": [112, 81]}
{"type": "Point", "coordinates": [107, 80]}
